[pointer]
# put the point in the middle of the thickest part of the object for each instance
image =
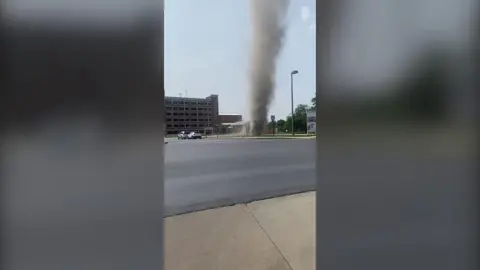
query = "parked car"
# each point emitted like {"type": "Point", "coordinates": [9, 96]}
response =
{"type": "Point", "coordinates": [194, 135]}
{"type": "Point", "coordinates": [182, 135]}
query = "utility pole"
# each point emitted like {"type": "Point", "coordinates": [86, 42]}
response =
{"type": "Point", "coordinates": [291, 99]}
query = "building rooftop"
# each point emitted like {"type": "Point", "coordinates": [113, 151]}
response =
{"type": "Point", "coordinates": [188, 98]}
{"type": "Point", "coordinates": [183, 98]}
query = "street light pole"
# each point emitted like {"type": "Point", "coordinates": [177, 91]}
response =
{"type": "Point", "coordinates": [291, 99]}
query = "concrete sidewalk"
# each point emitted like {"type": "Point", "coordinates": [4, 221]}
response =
{"type": "Point", "coordinates": [273, 234]}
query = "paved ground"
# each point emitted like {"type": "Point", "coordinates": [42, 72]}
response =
{"type": "Point", "coordinates": [245, 236]}
{"type": "Point", "coordinates": [203, 174]}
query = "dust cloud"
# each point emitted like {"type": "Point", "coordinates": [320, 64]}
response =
{"type": "Point", "coordinates": [268, 31]}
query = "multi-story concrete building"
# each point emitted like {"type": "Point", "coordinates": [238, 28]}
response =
{"type": "Point", "coordinates": [191, 114]}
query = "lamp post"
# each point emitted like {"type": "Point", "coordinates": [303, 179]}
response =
{"type": "Point", "coordinates": [291, 99]}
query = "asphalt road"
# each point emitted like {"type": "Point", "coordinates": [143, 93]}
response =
{"type": "Point", "coordinates": [203, 174]}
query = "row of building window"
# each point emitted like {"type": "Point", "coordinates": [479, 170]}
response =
{"type": "Point", "coordinates": [188, 120]}
{"type": "Point", "coordinates": [170, 102]}
{"type": "Point", "coordinates": [187, 109]}
{"type": "Point", "coordinates": [189, 114]}
{"type": "Point", "coordinates": [187, 125]}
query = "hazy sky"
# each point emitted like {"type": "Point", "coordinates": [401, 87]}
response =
{"type": "Point", "coordinates": [207, 46]}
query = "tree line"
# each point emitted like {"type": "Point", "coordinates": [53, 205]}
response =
{"type": "Point", "coordinates": [300, 119]}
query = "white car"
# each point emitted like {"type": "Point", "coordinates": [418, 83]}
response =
{"type": "Point", "coordinates": [194, 135]}
{"type": "Point", "coordinates": [182, 135]}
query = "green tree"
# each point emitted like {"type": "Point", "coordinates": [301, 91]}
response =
{"type": "Point", "coordinates": [314, 102]}
{"type": "Point", "coordinates": [300, 118]}
{"type": "Point", "coordinates": [281, 125]}
{"type": "Point", "coordinates": [287, 126]}
{"type": "Point", "coordinates": [301, 110]}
